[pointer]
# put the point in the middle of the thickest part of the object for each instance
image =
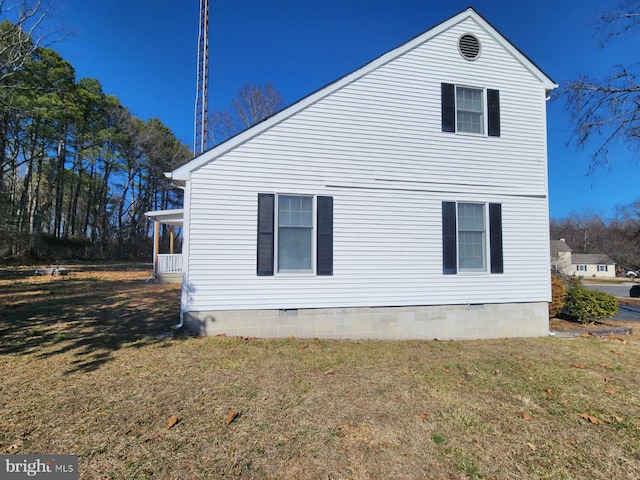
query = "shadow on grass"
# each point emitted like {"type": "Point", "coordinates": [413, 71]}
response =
{"type": "Point", "coordinates": [84, 317]}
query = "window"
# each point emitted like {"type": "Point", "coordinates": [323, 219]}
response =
{"type": "Point", "coordinates": [602, 268]}
{"type": "Point", "coordinates": [288, 236]}
{"type": "Point", "coordinates": [463, 110]}
{"type": "Point", "coordinates": [295, 233]}
{"type": "Point", "coordinates": [469, 110]}
{"type": "Point", "coordinates": [581, 268]}
{"type": "Point", "coordinates": [466, 234]}
{"type": "Point", "coordinates": [471, 237]}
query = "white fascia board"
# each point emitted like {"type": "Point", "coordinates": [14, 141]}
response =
{"type": "Point", "coordinates": [183, 173]}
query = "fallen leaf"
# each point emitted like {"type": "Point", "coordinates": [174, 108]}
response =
{"type": "Point", "coordinates": [617, 339]}
{"type": "Point", "coordinates": [527, 417]}
{"type": "Point", "coordinates": [301, 347]}
{"type": "Point", "coordinates": [616, 352]}
{"type": "Point", "coordinates": [423, 416]}
{"type": "Point", "coordinates": [329, 372]}
{"type": "Point", "coordinates": [548, 390]}
{"type": "Point", "coordinates": [592, 419]}
{"type": "Point", "coordinates": [173, 420]}
{"type": "Point", "coordinates": [610, 391]}
{"type": "Point", "coordinates": [532, 446]}
{"type": "Point", "coordinates": [577, 365]}
{"type": "Point", "coordinates": [608, 367]}
{"type": "Point", "coordinates": [231, 416]}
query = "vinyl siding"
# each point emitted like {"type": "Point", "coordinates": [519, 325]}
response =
{"type": "Point", "coordinates": [377, 148]}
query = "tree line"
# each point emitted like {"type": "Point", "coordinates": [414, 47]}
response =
{"type": "Point", "coordinates": [77, 169]}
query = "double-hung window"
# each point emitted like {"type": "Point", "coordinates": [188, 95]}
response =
{"type": "Point", "coordinates": [295, 234]}
{"type": "Point", "coordinates": [602, 268]}
{"type": "Point", "coordinates": [472, 245]}
{"type": "Point", "coordinates": [470, 110]}
{"type": "Point", "coordinates": [471, 237]}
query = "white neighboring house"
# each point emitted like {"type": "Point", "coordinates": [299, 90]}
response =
{"type": "Point", "coordinates": [565, 262]}
{"type": "Point", "coordinates": [407, 199]}
{"type": "Point", "coordinates": [592, 265]}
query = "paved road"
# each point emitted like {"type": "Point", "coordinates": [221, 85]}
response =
{"type": "Point", "coordinates": [625, 312]}
{"type": "Point", "coordinates": [621, 290]}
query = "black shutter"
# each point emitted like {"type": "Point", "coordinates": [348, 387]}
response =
{"type": "Point", "coordinates": [266, 203]}
{"type": "Point", "coordinates": [325, 236]}
{"type": "Point", "coordinates": [449, 240]}
{"type": "Point", "coordinates": [448, 100]}
{"type": "Point", "coordinates": [495, 237]}
{"type": "Point", "coordinates": [493, 107]}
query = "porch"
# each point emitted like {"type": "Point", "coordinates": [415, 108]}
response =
{"type": "Point", "coordinates": [167, 267]}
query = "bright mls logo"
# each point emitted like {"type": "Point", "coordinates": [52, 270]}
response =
{"type": "Point", "coordinates": [50, 467]}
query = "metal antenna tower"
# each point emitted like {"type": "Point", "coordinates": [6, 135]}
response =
{"type": "Point", "coordinates": [201, 113]}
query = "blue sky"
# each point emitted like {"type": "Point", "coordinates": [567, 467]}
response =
{"type": "Point", "coordinates": [145, 52]}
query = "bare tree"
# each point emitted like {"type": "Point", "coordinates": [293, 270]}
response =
{"type": "Point", "coordinates": [21, 33]}
{"type": "Point", "coordinates": [252, 104]}
{"type": "Point", "coordinates": [609, 109]}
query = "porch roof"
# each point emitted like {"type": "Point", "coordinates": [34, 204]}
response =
{"type": "Point", "coordinates": [168, 217]}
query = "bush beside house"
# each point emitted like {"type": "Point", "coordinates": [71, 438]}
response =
{"type": "Point", "coordinates": [586, 306]}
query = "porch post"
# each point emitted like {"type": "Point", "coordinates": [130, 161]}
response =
{"type": "Point", "coordinates": [156, 245]}
{"type": "Point", "coordinates": [171, 236]}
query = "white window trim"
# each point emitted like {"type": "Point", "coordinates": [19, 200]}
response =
{"type": "Point", "coordinates": [487, 246]}
{"type": "Point", "coordinates": [314, 229]}
{"type": "Point", "coordinates": [485, 115]}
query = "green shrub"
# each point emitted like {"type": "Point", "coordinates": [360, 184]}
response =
{"type": "Point", "coordinates": [586, 306]}
{"type": "Point", "coordinates": [558, 296]}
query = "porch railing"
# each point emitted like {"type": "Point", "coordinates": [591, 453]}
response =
{"type": "Point", "coordinates": [170, 263]}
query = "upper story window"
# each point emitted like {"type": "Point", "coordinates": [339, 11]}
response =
{"type": "Point", "coordinates": [470, 110]}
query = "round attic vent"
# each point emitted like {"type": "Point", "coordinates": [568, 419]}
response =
{"type": "Point", "coordinates": [469, 47]}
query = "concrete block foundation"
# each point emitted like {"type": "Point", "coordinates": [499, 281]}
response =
{"type": "Point", "coordinates": [444, 322]}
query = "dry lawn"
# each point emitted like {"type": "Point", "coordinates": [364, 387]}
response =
{"type": "Point", "coordinates": [86, 369]}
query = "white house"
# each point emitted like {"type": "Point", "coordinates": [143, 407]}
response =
{"type": "Point", "coordinates": [408, 199]}
{"type": "Point", "coordinates": [592, 265]}
{"type": "Point", "coordinates": [565, 262]}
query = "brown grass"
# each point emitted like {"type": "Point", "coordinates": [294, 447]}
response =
{"type": "Point", "coordinates": [87, 370]}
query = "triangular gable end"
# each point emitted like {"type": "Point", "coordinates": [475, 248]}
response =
{"type": "Point", "coordinates": [182, 174]}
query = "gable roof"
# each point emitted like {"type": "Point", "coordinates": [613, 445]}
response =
{"type": "Point", "coordinates": [558, 246]}
{"type": "Point", "coordinates": [181, 174]}
{"type": "Point", "coordinates": [591, 259]}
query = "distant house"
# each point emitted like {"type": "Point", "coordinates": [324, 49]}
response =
{"type": "Point", "coordinates": [592, 265]}
{"type": "Point", "coordinates": [407, 199]}
{"type": "Point", "coordinates": [565, 262]}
